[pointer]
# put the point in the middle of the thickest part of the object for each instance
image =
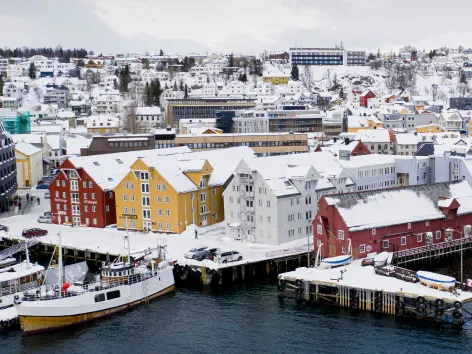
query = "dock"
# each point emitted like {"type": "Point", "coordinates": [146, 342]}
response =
{"type": "Point", "coordinates": [385, 290]}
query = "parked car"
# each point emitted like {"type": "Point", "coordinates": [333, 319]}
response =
{"type": "Point", "coordinates": [42, 186]}
{"type": "Point", "coordinates": [191, 253]}
{"type": "Point", "coordinates": [2, 227]}
{"type": "Point", "coordinates": [111, 226]}
{"type": "Point", "coordinates": [47, 195]}
{"type": "Point", "coordinates": [230, 256]}
{"type": "Point", "coordinates": [28, 233]}
{"type": "Point", "coordinates": [45, 219]}
{"type": "Point", "coordinates": [206, 254]}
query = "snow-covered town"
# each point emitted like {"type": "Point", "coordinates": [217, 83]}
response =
{"type": "Point", "coordinates": [339, 174]}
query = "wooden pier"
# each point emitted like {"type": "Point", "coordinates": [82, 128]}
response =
{"type": "Point", "coordinates": [393, 291]}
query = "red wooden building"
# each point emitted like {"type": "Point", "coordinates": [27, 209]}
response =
{"type": "Point", "coordinates": [77, 199]}
{"type": "Point", "coordinates": [392, 219]}
{"type": "Point", "coordinates": [364, 98]}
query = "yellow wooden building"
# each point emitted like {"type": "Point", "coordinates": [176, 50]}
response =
{"type": "Point", "coordinates": [102, 124]}
{"type": "Point", "coordinates": [29, 164]}
{"type": "Point", "coordinates": [162, 193]}
{"type": "Point", "coordinates": [430, 128]}
{"type": "Point", "coordinates": [277, 79]}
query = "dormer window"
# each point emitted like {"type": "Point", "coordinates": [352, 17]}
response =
{"type": "Point", "coordinates": [202, 183]}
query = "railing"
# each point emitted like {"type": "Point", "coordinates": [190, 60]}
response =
{"type": "Point", "coordinates": [13, 289]}
{"type": "Point", "coordinates": [289, 251]}
{"type": "Point", "coordinates": [92, 287]}
{"type": "Point", "coordinates": [20, 247]}
{"type": "Point", "coordinates": [466, 241]}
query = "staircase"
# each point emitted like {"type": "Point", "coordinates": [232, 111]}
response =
{"type": "Point", "coordinates": [20, 247]}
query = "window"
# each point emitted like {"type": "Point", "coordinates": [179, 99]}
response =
{"type": "Point", "coordinates": [133, 211]}
{"type": "Point", "coordinates": [374, 231]}
{"type": "Point", "coordinates": [291, 217]}
{"type": "Point", "coordinates": [362, 249]}
{"type": "Point", "coordinates": [94, 208]}
{"type": "Point", "coordinates": [125, 197]}
{"type": "Point", "coordinates": [131, 185]}
{"type": "Point", "coordinates": [95, 221]}
{"type": "Point", "coordinates": [341, 234]}
{"type": "Point", "coordinates": [57, 194]}
{"type": "Point", "coordinates": [409, 225]}
{"type": "Point", "coordinates": [214, 191]}
{"type": "Point", "coordinates": [203, 197]}
{"type": "Point", "coordinates": [75, 210]}
{"type": "Point", "coordinates": [202, 183]}
{"type": "Point", "coordinates": [438, 235]}
{"type": "Point", "coordinates": [85, 195]}
{"type": "Point", "coordinates": [159, 199]}
{"type": "Point", "coordinates": [164, 187]}
{"type": "Point", "coordinates": [75, 197]}
{"type": "Point", "coordinates": [343, 249]}
{"type": "Point", "coordinates": [144, 176]}
{"type": "Point", "coordinates": [146, 201]}
{"type": "Point", "coordinates": [166, 200]}
{"type": "Point", "coordinates": [146, 214]}
{"type": "Point", "coordinates": [268, 219]}
{"type": "Point", "coordinates": [168, 226]}
{"type": "Point", "coordinates": [58, 183]}
{"type": "Point", "coordinates": [99, 297]}
{"type": "Point", "coordinates": [126, 185]}
{"type": "Point", "coordinates": [427, 223]}
{"type": "Point", "coordinates": [204, 209]}
{"type": "Point", "coordinates": [115, 294]}
{"type": "Point", "coordinates": [319, 229]}
{"type": "Point", "coordinates": [125, 210]}
{"type": "Point", "coordinates": [419, 237]}
{"type": "Point", "coordinates": [93, 195]}
{"type": "Point", "coordinates": [159, 212]}
{"type": "Point", "coordinates": [64, 195]}
{"type": "Point", "coordinates": [403, 240]}
{"type": "Point", "coordinates": [144, 187]}
{"type": "Point", "coordinates": [64, 183]}
{"type": "Point", "coordinates": [385, 244]}
{"type": "Point", "coordinates": [90, 184]}
{"type": "Point", "coordinates": [291, 233]}
{"type": "Point", "coordinates": [167, 212]}
{"type": "Point", "coordinates": [268, 203]}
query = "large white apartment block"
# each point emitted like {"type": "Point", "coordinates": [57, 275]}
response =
{"type": "Point", "coordinates": [371, 171]}
{"type": "Point", "coordinates": [273, 200]}
{"type": "Point", "coordinates": [250, 121]}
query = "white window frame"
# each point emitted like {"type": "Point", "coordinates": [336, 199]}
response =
{"type": "Point", "coordinates": [362, 248]}
{"type": "Point", "coordinates": [341, 234]}
{"type": "Point", "coordinates": [419, 238]}
{"type": "Point", "coordinates": [403, 241]}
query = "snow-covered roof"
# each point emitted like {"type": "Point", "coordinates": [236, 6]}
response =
{"type": "Point", "coordinates": [374, 136]}
{"type": "Point", "coordinates": [102, 121]}
{"type": "Point", "coordinates": [27, 149]}
{"type": "Point", "coordinates": [407, 139]}
{"type": "Point", "coordinates": [65, 114]}
{"type": "Point", "coordinates": [73, 144]}
{"type": "Point", "coordinates": [393, 206]}
{"type": "Point", "coordinates": [29, 138]}
{"type": "Point", "coordinates": [368, 160]}
{"type": "Point", "coordinates": [109, 169]}
{"type": "Point", "coordinates": [148, 111]}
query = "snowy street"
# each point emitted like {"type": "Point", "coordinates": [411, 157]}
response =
{"type": "Point", "coordinates": [112, 241]}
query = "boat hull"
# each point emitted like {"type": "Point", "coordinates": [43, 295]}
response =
{"type": "Point", "coordinates": [37, 324]}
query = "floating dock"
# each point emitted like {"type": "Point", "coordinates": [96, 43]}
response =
{"type": "Point", "coordinates": [388, 290]}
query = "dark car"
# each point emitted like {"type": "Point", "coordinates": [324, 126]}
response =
{"type": "Point", "coordinates": [42, 186]}
{"type": "Point", "coordinates": [206, 254]}
{"type": "Point", "coordinates": [28, 233]}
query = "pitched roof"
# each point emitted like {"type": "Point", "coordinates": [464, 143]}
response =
{"type": "Point", "coordinates": [109, 169]}
{"type": "Point", "coordinates": [394, 206]}
{"type": "Point", "coordinates": [27, 149]}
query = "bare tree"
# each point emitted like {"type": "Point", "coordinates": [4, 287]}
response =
{"type": "Point", "coordinates": [307, 78]}
{"type": "Point", "coordinates": [463, 89]}
{"type": "Point", "coordinates": [130, 122]}
{"type": "Point", "coordinates": [434, 90]}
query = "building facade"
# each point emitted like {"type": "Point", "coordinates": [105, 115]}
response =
{"type": "Point", "coordinates": [8, 183]}
{"type": "Point", "coordinates": [326, 56]}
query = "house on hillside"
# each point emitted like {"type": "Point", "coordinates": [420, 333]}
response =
{"type": "Point", "coordinates": [364, 98]}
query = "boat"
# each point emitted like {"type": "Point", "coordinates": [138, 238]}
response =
{"type": "Point", "coordinates": [381, 259]}
{"type": "Point", "coordinates": [435, 280]}
{"type": "Point", "coordinates": [335, 261]}
{"type": "Point", "coordinates": [121, 285]}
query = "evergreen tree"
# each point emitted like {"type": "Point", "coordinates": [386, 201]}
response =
{"type": "Point", "coordinates": [155, 92]}
{"type": "Point", "coordinates": [1, 83]}
{"type": "Point", "coordinates": [342, 95]}
{"type": "Point", "coordinates": [32, 71]}
{"type": "Point", "coordinates": [145, 63]}
{"type": "Point", "coordinates": [186, 91]}
{"type": "Point", "coordinates": [243, 78]}
{"type": "Point", "coordinates": [161, 53]}
{"type": "Point", "coordinates": [115, 84]}
{"type": "Point", "coordinates": [125, 79]}
{"type": "Point", "coordinates": [231, 61]}
{"type": "Point", "coordinates": [295, 73]}
{"type": "Point", "coordinates": [181, 85]}
{"type": "Point", "coordinates": [147, 95]}
{"type": "Point", "coordinates": [463, 78]}
{"type": "Point", "coordinates": [208, 79]}
{"type": "Point", "coordinates": [175, 88]}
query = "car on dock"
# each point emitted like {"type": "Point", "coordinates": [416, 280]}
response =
{"type": "Point", "coordinates": [209, 253]}
{"type": "Point", "coordinates": [44, 219]}
{"type": "Point", "coordinates": [191, 253]}
{"type": "Point", "coordinates": [28, 233]}
{"type": "Point", "coordinates": [230, 256]}
{"type": "Point", "coordinates": [47, 195]}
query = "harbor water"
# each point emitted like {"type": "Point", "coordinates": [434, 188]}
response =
{"type": "Point", "coordinates": [244, 319]}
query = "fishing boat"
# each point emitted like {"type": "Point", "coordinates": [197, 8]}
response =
{"type": "Point", "coordinates": [121, 285]}
{"type": "Point", "coordinates": [338, 261]}
{"type": "Point", "coordinates": [435, 280]}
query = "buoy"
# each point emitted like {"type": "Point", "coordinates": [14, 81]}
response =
{"type": "Point", "coordinates": [65, 285]}
{"type": "Point", "coordinates": [457, 305]}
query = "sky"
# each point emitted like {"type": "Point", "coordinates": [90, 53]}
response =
{"type": "Point", "coordinates": [248, 26]}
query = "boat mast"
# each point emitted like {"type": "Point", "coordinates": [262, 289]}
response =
{"type": "Point", "coordinates": [60, 258]}
{"type": "Point", "coordinates": [127, 238]}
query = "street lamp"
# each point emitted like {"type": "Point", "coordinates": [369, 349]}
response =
{"type": "Point", "coordinates": [467, 229]}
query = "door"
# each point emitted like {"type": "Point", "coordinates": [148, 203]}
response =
{"type": "Point", "coordinates": [332, 250]}
{"type": "Point", "coordinates": [204, 221]}
{"type": "Point", "coordinates": [147, 226]}
{"type": "Point", "coordinates": [76, 221]}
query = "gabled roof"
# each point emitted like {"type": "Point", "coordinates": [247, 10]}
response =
{"type": "Point", "coordinates": [27, 149]}
{"type": "Point", "coordinates": [394, 206]}
{"type": "Point", "coordinates": [109, 169]}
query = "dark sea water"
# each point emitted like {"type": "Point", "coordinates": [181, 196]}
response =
{"type": "Point", "coordinates": [244, 319]}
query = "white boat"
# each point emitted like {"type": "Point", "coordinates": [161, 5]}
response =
{"type": "Point", "coordinates": [335, 261]}
{"type": "Point", "coordinates": [7, 262]}
{"type": "Point", "coordinates": [120, 286]}
{"type": "Point", "coordinates": [380, 260]}
{"type": "Point", "coordinates": [435, 280]}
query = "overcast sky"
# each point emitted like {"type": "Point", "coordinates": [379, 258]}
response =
{"type": "Point", "coordinates": [234, 26]}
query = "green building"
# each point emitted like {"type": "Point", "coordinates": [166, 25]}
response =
{"type": "Point", "coordinates": [16, 122]}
